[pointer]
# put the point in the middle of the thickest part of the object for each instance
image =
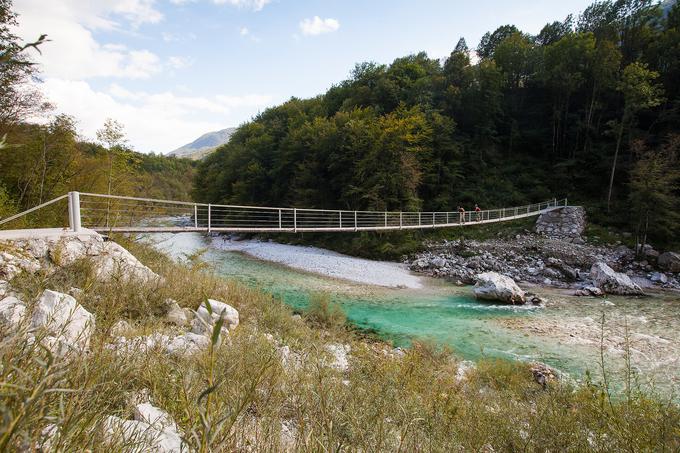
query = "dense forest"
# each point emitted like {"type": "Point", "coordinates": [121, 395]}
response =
{"type": "Point", "coordinates": [588, 109]}
{"type": "Point", "coordinates": [42, 160]}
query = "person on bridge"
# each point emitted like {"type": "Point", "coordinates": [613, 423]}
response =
{"type": "Point", "coordinates": [461, 211]}
{"type": "Point", "coordinates": [478, 212]}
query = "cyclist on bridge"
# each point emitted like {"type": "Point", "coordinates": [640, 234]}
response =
{"type": "Point", "coordinates": [478, 212]}
{"type": "Point", "coordinates": [461, 211]}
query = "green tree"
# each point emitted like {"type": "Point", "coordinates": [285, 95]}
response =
{"type": "Point", "coordinates": [654, 184]}
{"type": "Point", "coordinates": [489, 42]}
{"type": "Point", "coordinates": [640, 91]}
{"type": "Point", "coordinates": [19, 99]}
{"type": "Point", "coordinates": [111, 135]}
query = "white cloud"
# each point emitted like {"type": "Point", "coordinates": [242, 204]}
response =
{"type": "Point", "coordinates": [179, 62]}
{"type": "Point", "coordinates": [177, 37]}
{"type": "Point", "coordinates": [255, 5]}
{"type": "Point", "coordinates": [317, 26]}
{"type": "Point", "coordinates": [72, 51]}
{"type": "Point", "coordinates": [244, 31]}
{"type": "Point", "coordinates": [157, 122]}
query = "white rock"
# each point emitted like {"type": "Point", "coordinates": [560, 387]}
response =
{"type": "Point", "coordinates": [339, 354]}
{"type": "Point", "coordinates": [464, 368]}
{"type": "Point", "coordinates": [611, 282]}
{"type": "Point", "coordinates": [67, 251]}
{"type": "Point", "coordinates": [4, 288]}
{"type": "Point", "coordinates": [659, 277]}
{"type": "Point", "coordinates": [67, 324]}
{"type": "Point", "coordinates": [142, 436]}
{"type": "Point", "coordinates": [114, 261]}
{"type": "Point", "coordinates": [48, 435]}
{"type": "Point", "coordinates": [157, 418]}
{"type": "Point", "coordinates": [205, 321]}
{"type": "Point", "coordinates": [139, 345]}
{"type": "Point", "coordinates": [494, 286]}
{"type": "Point", "coordinates": [12, 311]}
{"type": "Point", "coordinates": [15, 262]}
{"type": "Point", "coordinates": [176, 314]}
{"type": "Point", "coordinates": [120, 328]}
{"type": "Point", "coordinates": [187, 344]}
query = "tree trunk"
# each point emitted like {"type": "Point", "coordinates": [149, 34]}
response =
{"type": "Point", "coordinates": [616, 156]}
{"type": "Point", "coordinates": [589, 116]}
{"type": "Point", "coordinates": [44, 170]}
{"type": "Point", "coordinates": [108, 200]}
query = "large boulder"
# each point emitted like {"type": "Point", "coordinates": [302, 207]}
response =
{"type": "Point", "coordinates": [205, 320]}
{"type": "Point", "coordinates": [494, 286]}
{"type": "Point", "coordinates": [65, 323]}
{"type": "Point", "coordinates": [669, 261]}
{"type": "Point", "coordinates": [112, 260]}
{"type": "Point", "coordinates": [612, 282]}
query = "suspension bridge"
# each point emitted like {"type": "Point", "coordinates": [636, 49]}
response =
{"type": "Point", "coordinates": [79, 211]}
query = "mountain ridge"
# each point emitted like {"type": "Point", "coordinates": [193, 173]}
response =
{"type": "Point", "coordinates": [203, 145]}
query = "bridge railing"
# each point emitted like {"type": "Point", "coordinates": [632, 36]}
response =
{"type": "Point", "coordinates": [132, 214]}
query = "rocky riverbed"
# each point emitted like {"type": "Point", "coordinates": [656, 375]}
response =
{"type": "Point", "coordinates": [556, 255]}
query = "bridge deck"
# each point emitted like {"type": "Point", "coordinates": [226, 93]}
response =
{"type": "Point", "coordinates": [217, 229]}
{"type": "Point", "coordinates": [113, 213]}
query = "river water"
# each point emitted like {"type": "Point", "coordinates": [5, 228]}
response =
{"type": "Point", "coordinates": [569, 333]}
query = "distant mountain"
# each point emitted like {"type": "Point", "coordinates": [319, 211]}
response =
{"type": "Point", "coordinates": [203, 145]}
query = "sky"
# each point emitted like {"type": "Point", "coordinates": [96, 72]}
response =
{"type": "Point", "coordinates": [171, 70]}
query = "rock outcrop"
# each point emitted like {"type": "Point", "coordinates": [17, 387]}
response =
{"type": "Point", "coordinates": [110, 259]}
{"type": "Point", "coordinates": [669, 261]}
{"type": "Point", "coordinates": [65, 323]}
{"type": "Point", "coordinates": [612, 282]}
{"type": "Point", "coordinates": [494, 286]}
{"type": "Point", "coordinates": [564, 223]}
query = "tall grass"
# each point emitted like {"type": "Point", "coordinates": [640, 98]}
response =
{"type": "Point", "coordinates": [239, 395]}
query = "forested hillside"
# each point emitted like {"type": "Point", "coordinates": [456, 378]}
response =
{"type": "Point", "coordinates": [39, 162]}
{"type": "Point", "coordinates": [522, 118]}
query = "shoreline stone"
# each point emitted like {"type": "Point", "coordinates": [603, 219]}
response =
{"type": "Point", "coordinates": [494, 286]}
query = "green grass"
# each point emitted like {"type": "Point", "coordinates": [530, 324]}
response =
{"type": "Point", "coordinates": [383, 403]}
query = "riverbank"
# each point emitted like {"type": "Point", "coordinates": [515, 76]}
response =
{"type": "Point", "coordinates": [138, 367]}
{"type": "Point", "coordinates": [540, 260]}
{"type": "Point", "coordinates": [324, 262]}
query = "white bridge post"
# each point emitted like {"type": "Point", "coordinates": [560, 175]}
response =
{"type": "Point", "coordinates": [355, 221]}
{"type": "Point", "coordinates": [196, 216]}
{"type": "Point", "coordinates": [209, 212]}
{"type": "Point", "coordinates": [74, 211]}
{"type": "Point", "coordinates": [401, 220]}
{"type": "Point", "coordinates": [294, 220]}
{"type": "Point", "coordinates": [340, 219]}
{"type": "Point", "coordinates": [279, 218]}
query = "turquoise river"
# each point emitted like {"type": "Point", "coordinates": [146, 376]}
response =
{"type": "Point", "coordinates": [569, 333]}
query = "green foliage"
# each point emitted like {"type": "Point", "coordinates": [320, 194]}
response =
{"type": "Point", "coordinates": [535, 117]}
{"type": "Point", "coordinates": [654, 182]}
